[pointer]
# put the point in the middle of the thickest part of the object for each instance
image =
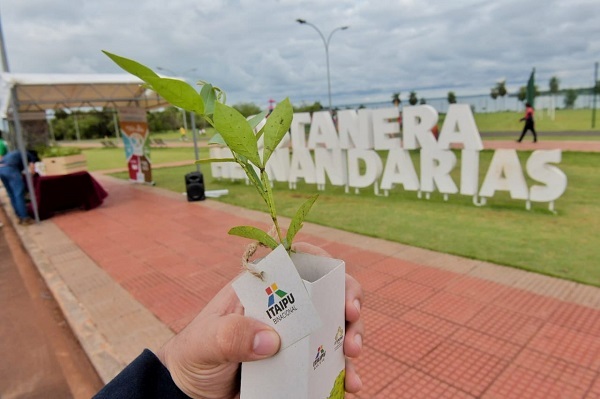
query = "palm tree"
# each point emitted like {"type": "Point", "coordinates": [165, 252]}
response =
{"type": "Point", "coordinates": [554, 83]}
{"type": "Point", "coordinates": [412, 98]}
{"type": "Point", "coordinates": [522, 93]}
{"type": "Point", "coordinates": [494, 94]}
{"type": "Point", "coordinates": [396, 99]}
{"type": "Point", "coordinates": [501, 88]}
{"type": "Point", "coordinates": [451, 97]}
{"type": "Point", "coordinates": [570, 98]}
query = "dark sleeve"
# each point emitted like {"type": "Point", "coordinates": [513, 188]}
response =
{"type": "Point", "coordinates": [145, 377]}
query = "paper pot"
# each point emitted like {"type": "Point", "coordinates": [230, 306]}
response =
{"type": "Point", "coordinates": [314, 366]}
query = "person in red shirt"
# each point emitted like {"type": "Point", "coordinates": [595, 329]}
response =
{"type": "Point", "coordinates": [529, 123]}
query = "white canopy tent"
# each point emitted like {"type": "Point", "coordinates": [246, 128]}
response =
{"type": "Point", "coordinates": [22, 94]}
{"type": "Point", "coordinates": [41, 92]}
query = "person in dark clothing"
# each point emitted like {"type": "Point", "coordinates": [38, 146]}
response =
{"type": "Point", "coordinates": [529, 123]}
{"type": "Point", "coordinates": [203, 360]}
{"type": "Point", "coordinates": [11, 174]}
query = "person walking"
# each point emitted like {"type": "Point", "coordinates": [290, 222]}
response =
{"type": "Point", "coordinates": [11, 168]}
{"type": "Point", "coordinates": [529, 123]}
{"type": "Point", "coordinates": [183, 133]}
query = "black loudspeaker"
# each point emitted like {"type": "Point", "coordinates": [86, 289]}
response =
{"type": "Point", "coordinates": [194, 185]}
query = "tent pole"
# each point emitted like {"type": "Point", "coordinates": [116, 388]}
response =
{"type": "Point", "coordinates": [21, 145]}
{"type": "Point", "coordinates": [18, 130]}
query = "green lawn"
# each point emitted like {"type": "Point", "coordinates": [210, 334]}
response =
{"type": "Point", "coordinates": [565, 244]}
{"type": "Point", "coordinates": [113, 158]}
{"type": "Point", "coordinates": [572, 120]}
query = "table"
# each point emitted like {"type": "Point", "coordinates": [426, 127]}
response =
{"type": "Point", "coordinates": [65, 192]}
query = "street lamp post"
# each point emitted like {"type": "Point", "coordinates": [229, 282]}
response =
{"type": "Point", "coordinates": [326, 43]}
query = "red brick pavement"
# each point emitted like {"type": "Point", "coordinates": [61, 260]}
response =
{"type": "Point", "coordinates": [431, 333]}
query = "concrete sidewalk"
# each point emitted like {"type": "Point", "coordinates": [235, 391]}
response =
{"type": "Point", "coordinates": [137, 269]}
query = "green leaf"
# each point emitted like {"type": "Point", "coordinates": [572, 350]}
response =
{"type": "Point", "coordinates": [298, 220]}
{"type": "Point", "coordinates": [211, 160]}
{"type": "Point", "coordinates": [236, 132]}
{"type": "Point", "coordinates": [133, 67]}
{"type": "Point", "coordinates": [256, 119]}
{"type": "Point", "coordinates": [254, 233]}
{"type": "Point", "coordinates": [278, 124]}
{"type": "Point", "coordinates": [178, 93]}
{"type": "Point", "coordinates": [175, 91]}
{"type": "Point", "coordinates": [217, 139]}
{"type": "Point", "coordinates": [209, 97]}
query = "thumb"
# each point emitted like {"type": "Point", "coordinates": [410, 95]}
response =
{"type": "Point", "coordinates": [236, 338]}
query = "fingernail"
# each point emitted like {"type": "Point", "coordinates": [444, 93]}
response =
{"type": "Point", "coordinates": [357, 304]}
{"type": "Point", "coordinates": [358, 340]}
{"type": "Point", "coordinates": [266, 343]}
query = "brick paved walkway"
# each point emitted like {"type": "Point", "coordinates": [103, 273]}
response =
{"type": "Point", "coordinates": [138, 268]}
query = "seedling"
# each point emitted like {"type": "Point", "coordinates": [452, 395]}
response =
{"type": "Point", "coordinates": [239, 135]}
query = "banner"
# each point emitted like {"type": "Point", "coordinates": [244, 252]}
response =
{"type": "Point", "coordinates": [134, 131]}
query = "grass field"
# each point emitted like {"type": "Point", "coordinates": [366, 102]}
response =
{"type": "Point", "coordinates": [575, 124]}
{"type": "Point", "coordinates": [565, 244]}
{"type": "Point", "coordinates": [572, 120]}
{"type": "Point", "coordinates": [113, 158]}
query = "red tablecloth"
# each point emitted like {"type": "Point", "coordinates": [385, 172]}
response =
{"type": "Point", "coordinates": [64, 192]}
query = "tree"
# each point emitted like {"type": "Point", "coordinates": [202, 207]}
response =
{"type": "Point", "coordinates": [501, 86]}
{"type": "Point", "coordinates": [316, 106]}
{"type": "Point", "coordinates": [247, 109]}
{"type": "Point", "coordinates": [501, 90]}
{"type": "Point", "coordinates": [396, 99]}
{"type": "Point", "coordinates": [422, 101]}
{"type": "Point", "coordinates": [522, 93]}
{"type": "Point", "coordinates": [412, 98]}
{"type": "Point", "coordinates": [494, 93]}
{"type": "Point", "coordinates": [553, 84]}
{"type": "Point", "coordinates": [169, 119]}
{"type": "Point", "coordinates": [570, 98]}
{"type": "Point", "coordinates": [451, 97]}
{"type": "Point", "coordinates": [90, 124]}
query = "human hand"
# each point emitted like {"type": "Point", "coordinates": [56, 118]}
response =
{"type": "Point", "coordinates": [204, 358]}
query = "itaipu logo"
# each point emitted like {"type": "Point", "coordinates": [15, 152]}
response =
{"type": "Point", "coordinates": [320, 357]}
{"type": "Point", "coordinates": [283, 307]}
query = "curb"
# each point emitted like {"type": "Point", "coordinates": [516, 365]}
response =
{"type": "Point", "coordinates": [100, 322]}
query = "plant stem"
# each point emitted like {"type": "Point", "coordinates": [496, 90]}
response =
{"type": "Point", "coordinates": [271, 203]}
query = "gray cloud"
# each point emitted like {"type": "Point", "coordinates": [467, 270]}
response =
{"type": "Point", "coordinates": [255, 50]}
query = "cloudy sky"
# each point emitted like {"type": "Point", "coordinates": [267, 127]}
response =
{"type": "Point", "coordinates": [255, 50]}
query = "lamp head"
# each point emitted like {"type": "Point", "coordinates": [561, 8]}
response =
{"type": "Point", "coordinates": [301, 21]}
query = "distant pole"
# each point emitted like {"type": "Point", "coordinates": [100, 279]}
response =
{"type": "Point", "coordinates": [595, 95]}
{"type": "Point", "coordinates": [326, 43]}
{"type": "Point", "coordinates": [194, 136]}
